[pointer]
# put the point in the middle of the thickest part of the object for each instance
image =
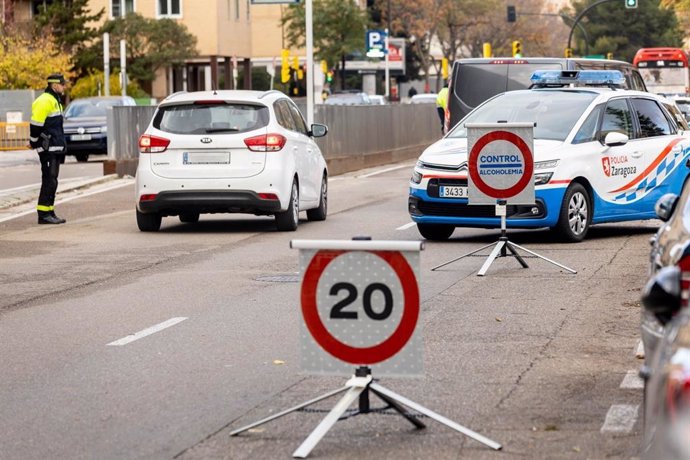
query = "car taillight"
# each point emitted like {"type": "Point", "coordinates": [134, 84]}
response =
{"type": "Point", "coordinates": [265, 142]}
{"type": "Point", "coordinates": [152, 144]}
{"type": "Point", "coordinates": [147, 197]}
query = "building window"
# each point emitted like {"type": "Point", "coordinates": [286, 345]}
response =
{"type": "Point", "coordinates": [169, 8]}
{"type": "Point", "coordinates": [121, 8]}
{"type": "Point", "coordinates": [237, 10]}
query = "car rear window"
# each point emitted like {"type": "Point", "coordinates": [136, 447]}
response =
{"type": "Point", "coordinates": [211, 118]}
{"type": "Point", "coordinates": [476, 83]}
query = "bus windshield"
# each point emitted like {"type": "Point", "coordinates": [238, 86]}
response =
{"type": "Point", "coordinates": [664, 70]}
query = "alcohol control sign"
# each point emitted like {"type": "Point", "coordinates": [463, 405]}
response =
{"type": "Point", "coordinates": [360, 306]}
{"type": "Point", "coordinates": [500, 163]}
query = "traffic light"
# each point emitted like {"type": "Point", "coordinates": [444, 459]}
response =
{"type": "Point", "coordinates": [631, 3]}
{"type": "Point", "coordinates": [512, 14]}
{"type": "Point", "coordinates": [329, 76]}
{"type": "Point", "coordinates": [486, 49]}
{"type": "Point", "coordinates": [568, 52]}
{"type": "Point", "coordinates": [444, 68]}
{"type": "Point", "coordinates": [284, 66]}
{"type": "Point", "coordinates": [324, 66]}
{"type": "Point", "coordinates": [517, 48]}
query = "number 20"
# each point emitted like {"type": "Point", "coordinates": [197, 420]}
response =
{"type": "Point", "coordinates": [338, 310]}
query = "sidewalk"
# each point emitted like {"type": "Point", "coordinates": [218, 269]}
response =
{"type": "Point", "coordinates": [29, 193]}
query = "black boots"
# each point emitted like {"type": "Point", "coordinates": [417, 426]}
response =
{"type": "Point", "coordinates": [49, 217]}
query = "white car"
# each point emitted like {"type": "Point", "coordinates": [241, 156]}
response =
{"type": "Point", "coordinates": [601, 154]}
{"type": "Point", "coordinates": [230, 152]}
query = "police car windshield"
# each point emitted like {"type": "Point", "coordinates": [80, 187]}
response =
{"type": "Point", "coordinates": [555, 112]}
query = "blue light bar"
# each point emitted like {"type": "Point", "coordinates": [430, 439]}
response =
{"type": "Point", "coordinates": [577, 77]}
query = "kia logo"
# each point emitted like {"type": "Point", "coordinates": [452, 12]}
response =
{"type": "Point", "coordinates": [206, 140]}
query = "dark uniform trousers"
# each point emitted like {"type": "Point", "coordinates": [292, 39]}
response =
{"type": "Point", "coordinates": [50, 168]}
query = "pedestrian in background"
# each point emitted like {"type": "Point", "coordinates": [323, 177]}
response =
{"type": "Point", "coordinates": [441, 104]}
{"type": "Point", "coordinates": [48, 138]}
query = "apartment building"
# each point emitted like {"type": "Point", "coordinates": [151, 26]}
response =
{"type": "Point", "coordinates": [231, 36]}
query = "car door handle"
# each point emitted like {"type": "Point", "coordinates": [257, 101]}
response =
{"type": "Point", "coordinates": [636, 154]}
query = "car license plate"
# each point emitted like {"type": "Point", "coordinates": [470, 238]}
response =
{"type": "Point", "coordinates": [206, 158]}
{"type": "Point", "coordinates": [80, 137]}
{"type": "Point", "coordinates": [452, 191]}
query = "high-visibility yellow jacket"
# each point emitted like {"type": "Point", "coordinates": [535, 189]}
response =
{"type": "Point", "coordinates": [442, 98]}
{"type": "Point", "coordinates": [46, 118]}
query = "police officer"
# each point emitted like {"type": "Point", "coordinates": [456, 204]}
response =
{"type": "Point", "coordinates": [442, 104]}
{"type": "Point", "coordinates": [47, 137]}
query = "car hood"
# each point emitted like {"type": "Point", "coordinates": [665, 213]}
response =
{"type": "Point", "coordinates": [84, 121]}
{"type": "Point", "coordinates": [453, 152]}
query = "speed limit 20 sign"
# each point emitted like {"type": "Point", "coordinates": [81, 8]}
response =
{"type": "Point", "coordinates": [360, 306]}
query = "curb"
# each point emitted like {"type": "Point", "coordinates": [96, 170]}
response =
{"type": "Point", "coordinates": [28, 195]}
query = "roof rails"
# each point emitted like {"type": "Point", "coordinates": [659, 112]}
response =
{"type": "Point", "coordinates": [560, 78]}
{"type": "Point", "coordinates": [270, 91]}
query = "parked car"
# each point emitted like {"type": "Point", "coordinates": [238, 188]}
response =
{"type": "Point", "coordinates": [667, 350]}
{"type": "Point", "coordinates": [85, 124]}
{"type": "Point", "coordinates": [683, 103]}
{"type": "Point", "coordinates": [230, 152]}
{"type": "Point", "coordinates": [601, 154]}
{"type": "Point", "coordinates": [378, 99]}
{"type": "Point", "coordinates": [424, 98]}
{"type": "Point", "coordinates": [348, 98]}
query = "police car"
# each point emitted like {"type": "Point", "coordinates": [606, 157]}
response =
{"type": "Point", "coordinates": [601, 154]}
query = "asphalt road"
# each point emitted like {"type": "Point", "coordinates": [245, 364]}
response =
{"type": "Point", "coordinates": [537, 359]}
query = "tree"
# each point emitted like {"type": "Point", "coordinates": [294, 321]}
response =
{"type": "Point", "coordinates": [151, 45]}
{"type": "Point", "coordinates": [68, 21]}
{"type": "Point", "coordinates": [338, 29]}
{"type": "Point", "coordinates": [613, 28]}
{"type": "Point", "coordinates": [26, 62]}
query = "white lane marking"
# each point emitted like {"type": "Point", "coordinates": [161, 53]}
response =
{"type": "Point", "coordinates": [406, 226]}
{"type": "Point", "coordinates": [394, 168]}
{"type": "Point", "coordinates": [632, 381]}
{"type": "Point", "coordinates": [620, 418]}
{"type": "Point", "coordinates": [38, 185]}
{"type": "Point", "coordinates": [65, 200]}
{"type": "Point", "coordinates": [148, 331]}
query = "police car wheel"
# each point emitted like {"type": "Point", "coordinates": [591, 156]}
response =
{"type": "Point", "coordinates": [435, 232]}
{"type": "Point", "coordinates": [575, 215]}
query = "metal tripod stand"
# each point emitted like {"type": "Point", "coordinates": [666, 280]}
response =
{"type": "Point", "coordinates": [358, 387]}
{"type": "Point", "coordinates": [503, 245]}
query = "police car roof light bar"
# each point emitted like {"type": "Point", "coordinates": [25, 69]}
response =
{"type": "Point", "coordinates": [612, 78]}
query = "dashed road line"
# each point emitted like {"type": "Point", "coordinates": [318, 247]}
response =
{"type": "Point", "coordinates": [406, 226]}
{"type": "Point", "coordinates": [382, 171]}
{"type": "Point", "coordinates": [620, 418]}
{"type": "Point", "coordinates": [148, 331]}
{"type": "Point", "coordinates": [632, 381]}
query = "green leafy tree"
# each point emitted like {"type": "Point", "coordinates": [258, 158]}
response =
{"type": "Point", "coordinates": [338, 29]}
{"type": "Point", "coordinates": [26, 62]}
{"type": "Point", "coordinates": [612, 28]}
{"type": "Point", "coordinates": [70, 23]}
{"type": "Point", "coordinates": [151, 45]}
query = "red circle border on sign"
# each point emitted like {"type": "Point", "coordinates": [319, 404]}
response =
{"type": "Point", "coordinates": [526, 153]}
{"type": "Point", "coordinates": [354, 355]}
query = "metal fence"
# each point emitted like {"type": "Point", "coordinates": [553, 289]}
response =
{"type": "Point", "coordinates": [14, 136]}
{"type": "Point", "coordinates": [358, 136]}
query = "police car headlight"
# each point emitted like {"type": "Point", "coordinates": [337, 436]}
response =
{"type": "Point", "coordinates": [416, 177]}
{"type": "Point", "coordinates": [542, 178]}
{"type": "Point", "coordinates": [545, 164]}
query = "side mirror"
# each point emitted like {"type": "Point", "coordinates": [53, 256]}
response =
{"type": "Point", "coordinates": [614, 139]}
{"type": "Point", "coordinates": [665, 206]}
{"type": "Point", "coordinates": [661, 295]}
{"type": "Point", "coordinates": [318, 130]}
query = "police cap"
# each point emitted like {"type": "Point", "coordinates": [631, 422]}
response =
{"type": "Point", "coordinates": [56, 78]}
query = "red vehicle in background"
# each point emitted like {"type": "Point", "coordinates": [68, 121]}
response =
{"type": "Point", "coordinates": [664, 70]}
